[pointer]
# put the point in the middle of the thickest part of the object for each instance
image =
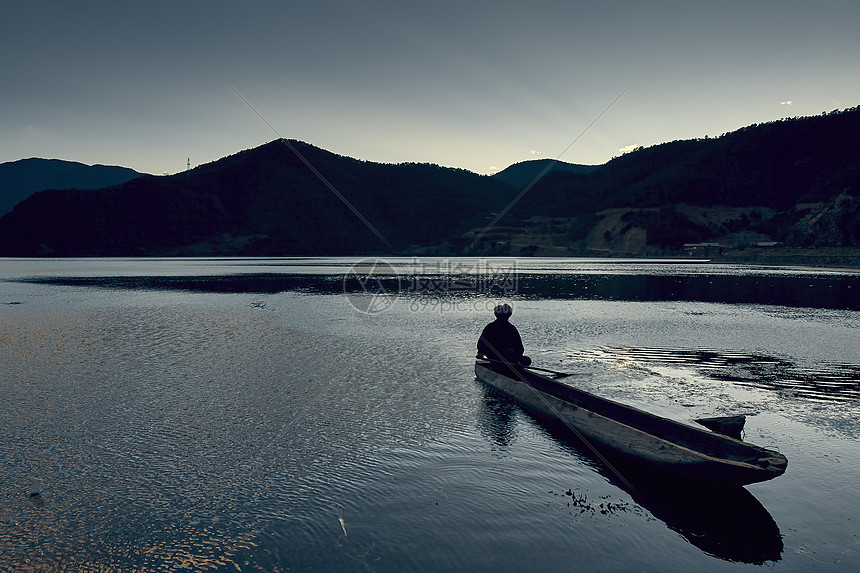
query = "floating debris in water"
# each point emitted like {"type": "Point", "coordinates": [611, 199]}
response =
{"type": "Point", "coordinates": [604, 507]}
{"type": "Point", "coordinates": [36, 499]}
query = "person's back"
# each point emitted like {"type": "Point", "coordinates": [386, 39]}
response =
{"type": "Point", "coordinates": [500, 340]}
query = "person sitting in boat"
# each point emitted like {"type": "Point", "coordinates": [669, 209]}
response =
{"type": "Point", "coordinates": [501, 340]}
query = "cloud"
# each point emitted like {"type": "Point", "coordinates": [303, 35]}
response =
{"type": "Point", "coordinates": [787, 102]}
{"type": "Point", "coordinates": [535, 152]}
{"type": "Point", "coordinates": [628, 148]}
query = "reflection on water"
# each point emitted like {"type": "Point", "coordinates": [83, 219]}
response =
{"type": "Point", "coordinates": [728, 523]}
{"type": "Point", "coordinates": [828, 382]}
{"type": "Point", "coordinates": [653, 283]}
{"type": "Point", "coordinates": [497, 418]}
{"type": "Point", "coordinates": [802, 291]}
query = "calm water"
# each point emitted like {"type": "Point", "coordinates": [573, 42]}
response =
{"type": "Point", "coordinates": [311, 415]}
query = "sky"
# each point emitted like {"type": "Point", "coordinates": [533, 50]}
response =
{"type": "Point", "coordinates": [475, 85]}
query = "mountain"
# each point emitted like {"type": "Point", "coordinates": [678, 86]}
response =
{"type": "Point", "coordinates": [20, 179]}
{"type": "Point", "coordinates": [522, 174]}
{"type": "Point", "coordinates": [794, 182]}
{"type": "Point", "coordinates": [777, 164]}
{"type": "Point", "coordinates": [263, 201]}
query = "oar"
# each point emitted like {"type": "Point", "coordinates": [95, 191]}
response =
{"type": "Point", "coordinates": [556, 372]}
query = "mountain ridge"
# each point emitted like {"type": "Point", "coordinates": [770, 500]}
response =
{"type": "Point", "coordinates": [524, 173]}
{"type": "Point", "coordinates": [260, 201]}
{"type": "Point", "coordinates": [795, 182]}
{"type": "Point", "coordinates": [20, 179]}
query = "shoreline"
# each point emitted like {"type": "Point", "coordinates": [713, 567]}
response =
{"type": "Point", "coordinates": [837, 258]}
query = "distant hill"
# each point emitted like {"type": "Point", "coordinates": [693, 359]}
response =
{"type": "Point", "coordinates": [794, 183]}
{"type": "Point", "coordinates": [263, 201]}
{"type": "Point", "coordinates": [20, 179]}
{"type": "Point", "coordinates": [776, 164]}
{"type": "Point", "coordinates": [524, 173]}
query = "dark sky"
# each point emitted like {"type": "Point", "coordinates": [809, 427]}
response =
{"type": "Point", "coordinates": [477, 85]}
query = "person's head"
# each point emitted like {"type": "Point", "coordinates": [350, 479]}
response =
{"type": "Point", "coordinates": [503, 311]}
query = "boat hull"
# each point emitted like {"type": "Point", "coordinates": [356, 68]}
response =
{"type": "Point", "coordinates": [617, 433]}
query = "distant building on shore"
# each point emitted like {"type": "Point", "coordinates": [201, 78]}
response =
{"type": "Point", "coordinates": [717, 249]}
{"type": "Point", "coordinates": [705, 249]}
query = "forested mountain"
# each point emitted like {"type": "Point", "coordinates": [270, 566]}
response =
{"type": "Point", "coordinates": [527, 172]}
{"type": "Point", "coordinates": [264, 201]}
{"type": "Point", "coordinates": [777, 164]}
{"type": "Point", "coordinates": [20, 179]}
{"type": "Point", "coordinates": [795, 181]}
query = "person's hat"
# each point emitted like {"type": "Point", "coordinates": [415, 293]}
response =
{"type": "Point", "coordinates": [503, 310]}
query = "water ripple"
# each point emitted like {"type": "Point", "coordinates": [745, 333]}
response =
{"type": "Point", "coordinates": [822, 382]}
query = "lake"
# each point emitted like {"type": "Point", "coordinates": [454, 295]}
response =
{"type": "Point", "coordinates": [305, 414]}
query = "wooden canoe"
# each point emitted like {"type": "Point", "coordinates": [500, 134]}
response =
{"type": "Point", "coordinates": [625, 434]}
